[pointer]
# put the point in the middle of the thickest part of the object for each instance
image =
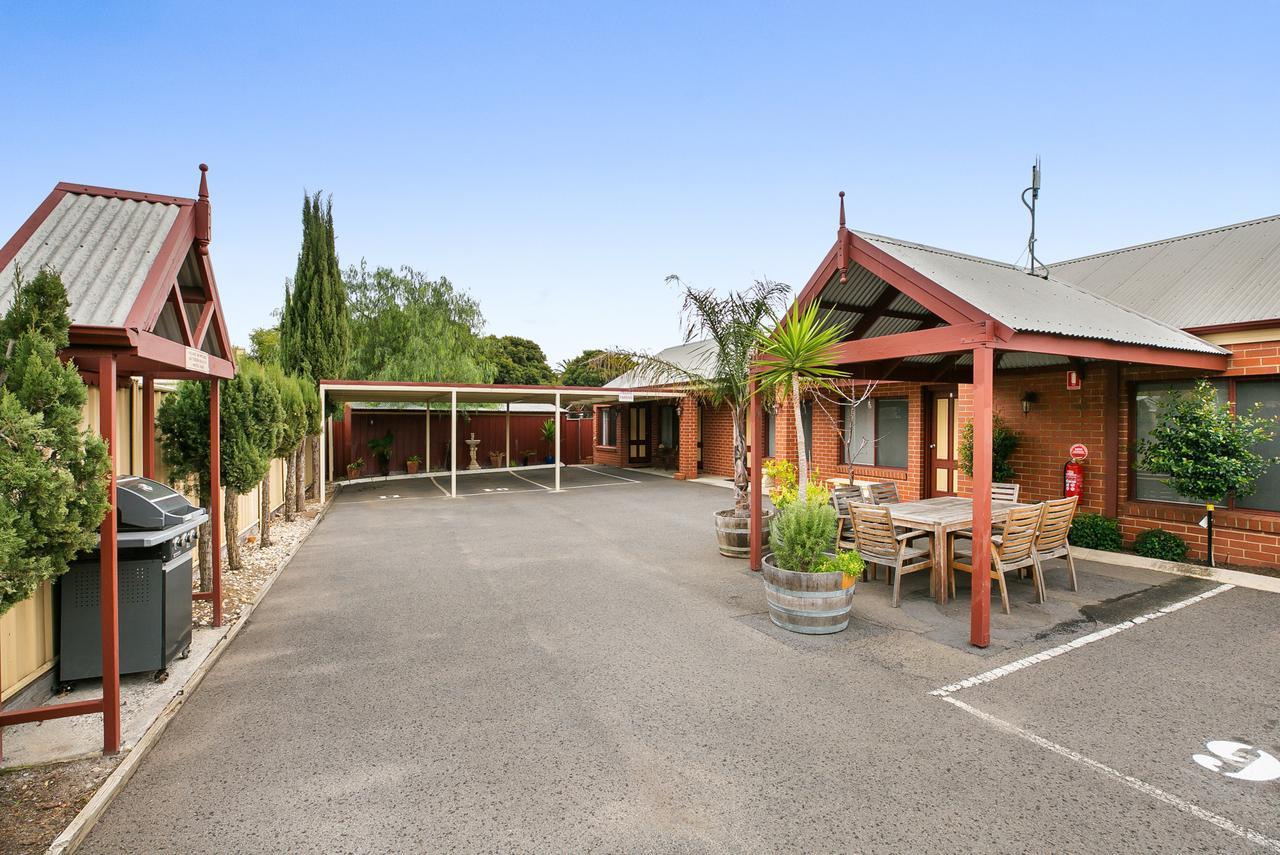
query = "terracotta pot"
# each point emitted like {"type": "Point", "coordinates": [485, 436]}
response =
{"type": "Point", "coordinates": [412, 466]}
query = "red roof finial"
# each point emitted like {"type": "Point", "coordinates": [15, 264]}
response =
{"type": "Point", "coordinates": [842, 238]}
{"type": "Point", "coordinates": [204, 227]}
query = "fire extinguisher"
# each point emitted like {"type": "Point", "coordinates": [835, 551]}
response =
{"type": "Point", "coordinates": [1072, 478]}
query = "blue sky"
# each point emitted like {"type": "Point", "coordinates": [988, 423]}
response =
{"type": "Point", "coordinates": [558, 161]}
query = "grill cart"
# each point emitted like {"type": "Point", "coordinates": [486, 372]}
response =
{"type": "Point", "coordinates": [157, 539]}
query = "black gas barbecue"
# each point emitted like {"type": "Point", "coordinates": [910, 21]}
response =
{"type": "Point", "coordinates": [156, 539]}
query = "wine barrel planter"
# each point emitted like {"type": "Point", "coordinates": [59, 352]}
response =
{"type": "Point", "coordinates": [733, 533]}
{"type": "Point", "coordinates": [810, 603]}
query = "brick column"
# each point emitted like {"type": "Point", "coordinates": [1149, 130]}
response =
{"type": "Point", "coordinates": [689, 415]}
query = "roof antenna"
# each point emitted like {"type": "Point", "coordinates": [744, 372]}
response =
{"type": "Point", "coordinates": [1034, 190]}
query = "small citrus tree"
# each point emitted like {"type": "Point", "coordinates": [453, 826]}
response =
{"type": "Point", "coordinates": [182, 426]}
{"type": "Point", "coordinates": [53, 491]}
{"type": "Point", "coordinates": [1205, 451]}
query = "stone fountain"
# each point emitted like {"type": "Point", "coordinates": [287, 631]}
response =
{"type": "Point", "coordinates": [473, 444]}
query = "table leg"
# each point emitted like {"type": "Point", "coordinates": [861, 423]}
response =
{"type": "Point", "coordinates": [940, 563]}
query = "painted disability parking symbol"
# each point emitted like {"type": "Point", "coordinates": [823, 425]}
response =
{"type": "Point", "coordinates": [1239, 760]}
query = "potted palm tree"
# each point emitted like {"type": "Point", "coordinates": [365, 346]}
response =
{"type": "Point", "coordinates": [731, 327]}
{"type": "Point", "coordinates": [381, 448]}
{"type": "Point", "coordinates": [549, 437]}
{"type": "Point", "coordinates": [799, 353]}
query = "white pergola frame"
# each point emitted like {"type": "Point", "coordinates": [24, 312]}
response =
{"type": "Point", "coordinates": [375, 392]}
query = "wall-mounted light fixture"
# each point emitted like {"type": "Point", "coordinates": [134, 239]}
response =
{"type": "Point", "coordinates": [1028, 398]}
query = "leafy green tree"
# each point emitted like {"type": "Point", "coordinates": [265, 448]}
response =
{"type": "Point", "coordinates": [312, 422]}
{"type": "Point", "coordinates": [315, 331]}
{"type": "Point", "coordinates": [291, 431]}
{"type": "Point", "coordinates": [250, 416]}
{"type": "Point", "coordinates": [53, 492]}
{"type": "Point", "coordinates": [264, 345]}
{"type": "Point", "coordinates": [518, 361]}
{"type": "Point", "coordinates": [585, 369]}
{"type": "Point", "coordinates": [1206, 452]}
{"type": "Point", "coordinates": [798, 353]}
{"type": "Point", "coordinates": [1004, 442]}
{"type": "Point", "coordinates": [730, 325]}
{"type": "Point", "coordinates": [408, 326]}
{"type": "Point", "coordinates": [182, 426]}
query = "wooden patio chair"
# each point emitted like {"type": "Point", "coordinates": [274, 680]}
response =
{"type": "Point", "coordinates": [883, 493]}
{"type": "Point", "coordinates": [1012, 549]}
{"type": "Point", "coordinates": [842, 499]}
{"type": "Point", "coordinates": [880, 542]}
{"type": "Point", "coordinates": [1005, 492]}
{"type": "Point", "coordinates": [1052, 541]}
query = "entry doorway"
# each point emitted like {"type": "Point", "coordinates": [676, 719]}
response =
{"type": "Point", "coordinates": [638, 436]}
{"type": "Point", "coordinates": [942, 432]}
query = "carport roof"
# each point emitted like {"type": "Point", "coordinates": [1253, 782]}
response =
{"type": "Point", "coordinates": [379, 391]}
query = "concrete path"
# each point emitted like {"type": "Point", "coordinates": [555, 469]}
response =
{"type": "Point", "coordinates": [582, 672]}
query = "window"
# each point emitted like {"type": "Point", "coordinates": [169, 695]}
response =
{"type": "Point", "coordinates": [1267, 393]}
{"type": "Point", "coordinates": [608, 426]}
{"type": "Point", "coordinates": [875, 433]}
{"type": "Point", "coordinates": [668, 427]}
{"type": "Point", "coordinates": [1245, 393]}
{"type": "Point", "coordinates": [770, 433]}
{"type": "Point", "coordinates": [806, 424]}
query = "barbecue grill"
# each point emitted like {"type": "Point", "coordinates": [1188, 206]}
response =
{"type": "Point", "coordinates": [156, 539]}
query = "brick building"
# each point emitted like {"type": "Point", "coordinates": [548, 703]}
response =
{"type": "Point", "coordinates": [1089, 346]}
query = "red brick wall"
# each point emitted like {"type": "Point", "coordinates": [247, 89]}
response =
{"type": "Point", "coordinates": [614, 455]}
{"type": "Point", "coordinates": [825, 456]}
{"type": "Point", "coordinates": [1060, 418]}
{"type": "Point", "coordinates": [717, 440]}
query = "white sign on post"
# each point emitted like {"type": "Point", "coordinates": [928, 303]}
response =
{"type": "Point", "coordinates": [197, 360]}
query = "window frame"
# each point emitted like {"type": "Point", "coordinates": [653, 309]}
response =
{"type": "Point", "coordinates": [608, 420]}
{"type": "Point", "coordinates": [846, 408]}
{"type": "Point", "coordinates": [1231, 503]}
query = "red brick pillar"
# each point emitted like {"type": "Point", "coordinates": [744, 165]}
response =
{"type": "Point", "coordinates": [689, 415]}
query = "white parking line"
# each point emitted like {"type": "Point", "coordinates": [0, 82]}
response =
{"type": "Point", "coordinates": [1053, 652]}
{"type": "Point", "coordinates": [946, 693]}
{"type": "Point", "coordinates": [606, 474]}
{"type": "Point", "coordinates": [529, 481]}
{"type": "Point", "coordinates": [1128, 780]}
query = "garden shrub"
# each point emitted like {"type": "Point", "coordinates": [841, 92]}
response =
{"type": "Point", "coordinates": [1004, 442]}
{"type": "Point", "coordinates": [801, 535]}
{"type": "Point", "coordinates": [1158, 543]}
{"type": "Point", "coordinates": [1094, 531]}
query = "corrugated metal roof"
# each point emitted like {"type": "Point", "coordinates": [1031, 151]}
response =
{"type": "Point", "coordinates": [1031, 304]}
{"type": "Point", "coordinates": [102, 247]}
{"type": "Point", "coordinates": [1222, 276]}
{"type": "Point", "coordinates": [695, 356]}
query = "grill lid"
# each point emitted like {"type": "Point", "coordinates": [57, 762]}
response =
{"type": "Point", "coordinates": [143, 504]}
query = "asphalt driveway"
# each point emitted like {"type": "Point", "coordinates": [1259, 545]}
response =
{"type": "Point", "coordinates": [579, 671]}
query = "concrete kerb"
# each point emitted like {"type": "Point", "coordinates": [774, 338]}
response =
{"type": "Point", "coordinates": [73, 835]}
{"type": "Point", "coordinates": [1240, 579]}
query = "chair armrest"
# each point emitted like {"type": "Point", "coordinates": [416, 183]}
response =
{"type": "Point", "coordinates": [914, 533]}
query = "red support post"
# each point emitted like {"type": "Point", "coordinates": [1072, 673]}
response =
{"type": "Point", "coordinates": [215, 500]}
{"type": "Point", "coordinates": [755, 443]}
{"type": "Point", "coordinates": [108, 580]}
{"type": "Point", "coordinates": [980, 592]}
{"type": "Point", "coordinates": [148, 427]}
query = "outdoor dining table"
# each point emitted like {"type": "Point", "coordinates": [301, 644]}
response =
{"type": "Point", "coordinates": [942, 516]}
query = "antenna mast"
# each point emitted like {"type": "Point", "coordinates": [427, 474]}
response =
{"type": "Point", "coordinates": [1034, 190]}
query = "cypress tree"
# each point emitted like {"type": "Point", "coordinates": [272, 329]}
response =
{"type": "Point", "coordinates": [290, 433]}
{"type": "Point", "coordinates": [182, 426]}
{"type": "Point", "coordinates": [53, 492]}
{"type": "Point", "coordinates": [315, 329]}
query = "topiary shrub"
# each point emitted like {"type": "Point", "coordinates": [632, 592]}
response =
{"type": "Point", "coordinates": [802, 534]}
{"type": "Point", "coordinates": [1094, 531]}
{"type": "Point", "coordinates": [1004, 442]}
{"type": "Point", "coordinates": [1158, 543]}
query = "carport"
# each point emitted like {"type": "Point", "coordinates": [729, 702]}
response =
{"type": "Point", "coordinates": [436, 395]}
